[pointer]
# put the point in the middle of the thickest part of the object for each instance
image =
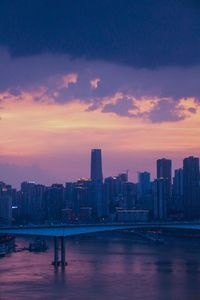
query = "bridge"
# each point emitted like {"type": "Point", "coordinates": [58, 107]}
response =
{"type": "Point", "coordinates": [59, 232]}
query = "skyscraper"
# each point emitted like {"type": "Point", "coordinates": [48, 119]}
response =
{"type": "Point", "coordinates": [160, 198]}
{"type": "Point", "coordinates": [164, 170]}
{"type": "Point", "coordinates": [177, 190]}
{"type": "Point", "coordinates": [144, 183]}
{"type": "Point", "coordinates": [96, 176]}
{"type": "Point", "coordinates": [96, 173]}
{"type": "Point", "coordinates": [144, 191]}
{"type": "Point", "coordinates": [5, 203]}
{"type": "Point", "coordinates": [178, 182]}
{"type": "Point", "coordinates": [191, 187]}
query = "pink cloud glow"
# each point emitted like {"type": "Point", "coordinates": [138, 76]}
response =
{"type": "Point", "coordinates": [52, 114]}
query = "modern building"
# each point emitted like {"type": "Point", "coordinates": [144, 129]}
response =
{"type": "Point", "coordinates": [96, 173]}
{"type": "Point", "coordinates": [161, 194]}
{"type": "Point", "coordinates": [144, 183]}
{"type": "Point", "coordinates": [144, 192]}
{"type": "Point", "coordinates": [27, 201]}
{"type": "Point", "coordinates": [55, 202]}
{"type": "Point", "coordinates": [191, 196]}
{"type": "Point", "coordinates": [123, 177]}
{"type": "Point", "coordinates": [132, 215]}
{"type": "Point", "coordinates": [5, 209]}
{"type": "Point", "coordinates": [5, 203]}
{"type": "Point", "coordinates": [177, 190]}
{"type": "Point", "coordinates": [164, 170]}
{"type": "Point", "coordinates": [119, 193]}
{"type": "Point", "coordinates": [114, 192]}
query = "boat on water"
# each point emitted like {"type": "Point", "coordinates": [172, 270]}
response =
{"type": "Point", "coordinates": [2, 251]}
{"type": "Point", "coordinates": [7, 244]}
{"type": "Point", "coordinates": [154, 237]}
{"type": "Point", "coordinates": [38, 245]}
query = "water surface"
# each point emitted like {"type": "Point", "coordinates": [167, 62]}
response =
{"type": "Point", "coordinates": [110, 266]}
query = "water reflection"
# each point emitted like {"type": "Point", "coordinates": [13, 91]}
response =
{"type": "Point", "coordinates": [98, 268]}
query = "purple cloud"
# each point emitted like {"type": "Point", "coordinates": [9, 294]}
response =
{"type": "Point", "coordinates": [122, 107]}
{"type": "Point", "coordinates": [63, 79]}
{"type": "Point", "coordinates": [166, 111]}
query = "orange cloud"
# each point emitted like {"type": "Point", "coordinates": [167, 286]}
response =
{"type": "Point", "coordinates": [68, 79]}
{"type": "Point", "coordinates": [94, 83]}
{"type": "Point", "coordinates": [31, 127]}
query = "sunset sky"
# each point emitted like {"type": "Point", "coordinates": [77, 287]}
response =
{"type": "Point", "coordinates": [123, 76]}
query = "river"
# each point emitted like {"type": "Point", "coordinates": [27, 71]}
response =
{"type": "Point", "coordinates": [115, 266]}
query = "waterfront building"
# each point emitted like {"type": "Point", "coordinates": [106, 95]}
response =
{"type": "Point", "coordinates": [177, 190]}
{"type": "Point", "coordinates": [114, 192]}
{"type": "Point", "coordinates": [54, 201]}
{"type": "Point", "coordinates": [191, 195]}
{"type": "Point", "coordinates": [132, 215]}
{"type": "Point", "coordinates": [164, 170]}
{"type": "Point", "coordinates": [5, 203]}
{"type": "Point", "coordinates": [161, 196]}
{"type": "Point", "coordinates": [96, 173]}
{"type": "Point", "coordinates": [144, 183]}
{"type": "Point", "coordinates": [144, 192]}
{"type": "Point", "coordinates": [27, 201]}
{"type": "Point", "coordinates": [119, 193]}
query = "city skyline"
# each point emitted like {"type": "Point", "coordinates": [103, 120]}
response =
{"type": "Point", "coordinates": [99, 149]}
{"type": "Point", "coordinates": [112, 91]}
{"type": "Point", "coordinates": [160, 166]}
{"type": "Point", "coordinates": [113, 198]}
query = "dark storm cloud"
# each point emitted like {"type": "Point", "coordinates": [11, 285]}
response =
{"type": "Point", "coordinates": [140, 33]}
{"type": "Point", "coordinates": [103, 86]}
{"type": "Point", "coordinates": [35, 71]}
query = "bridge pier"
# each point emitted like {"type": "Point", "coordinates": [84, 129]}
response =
{"type": "Point", "coordinates": [63, 261]}
{"type": "Point", "coordinates": [56, 261]}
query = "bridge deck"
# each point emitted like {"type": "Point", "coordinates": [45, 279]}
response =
{"type": "Point", "coordinates": [71, 230]}
{"type": "Point", "coordinates": [60, 231]}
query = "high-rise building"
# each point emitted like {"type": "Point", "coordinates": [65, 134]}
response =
{"type": "Point", "coordinates": [97, 180]}
{"type": "Point", "coordinates": [178, 182]}
{"type": "Point", "coordinates": [144, 191]}
{"type": "Point", "coordinates": [114, 192]}
{"type": "Point", "coordinates": [119, 193]}
{"type": "Point", "coordinates": [177, 190]}
{"type": "Point", "coordinates": [144, 183]}
{"type": "Point", "coordinates": [28, 200]}
{"type": "Point", "coordinates": [123, 177]}
{"type": "Point", "coordinates": [191, 196]}
{"type": "Point", "coordinates": [55, 202]}
{"type": "Point", "coordinates": [96, 173]}
{"type": "Point", "coordinates": [160, 188]}
{"type": "Point", "coordinates": [164, 170]}
{"type": "Point", "coordinates": [5, 203]}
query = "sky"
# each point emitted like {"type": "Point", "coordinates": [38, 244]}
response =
{"type": "Point", "coordinates": [123, 76]}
